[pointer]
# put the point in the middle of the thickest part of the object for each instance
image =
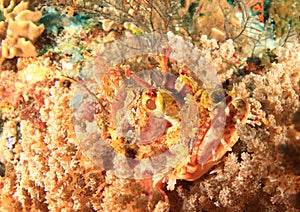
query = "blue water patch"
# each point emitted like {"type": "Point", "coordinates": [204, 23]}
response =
{"type": "Point", "coordinates": [266, 9]}
{"type": "Point", "coordinates": [53, 21]}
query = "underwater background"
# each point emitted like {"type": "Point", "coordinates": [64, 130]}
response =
{"type": "Point", "coordinates": [49, 49]}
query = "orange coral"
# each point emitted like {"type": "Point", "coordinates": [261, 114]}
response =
{"type": "Point", "coordinates": [258, 8]}
{"type": "Point", "coordinates": [265, 161]}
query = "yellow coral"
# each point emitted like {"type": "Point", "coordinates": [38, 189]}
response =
{"type": "Point", "coordinates": [21, 32]}
{"type": "Point", "coordinates": [12, 47]}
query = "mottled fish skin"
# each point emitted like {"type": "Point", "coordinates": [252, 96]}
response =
{"type": "Point", "coordinates": [210, 146]}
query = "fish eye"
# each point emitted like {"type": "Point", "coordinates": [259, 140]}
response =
{"type": "Point", "coordinates": [150, 104]}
